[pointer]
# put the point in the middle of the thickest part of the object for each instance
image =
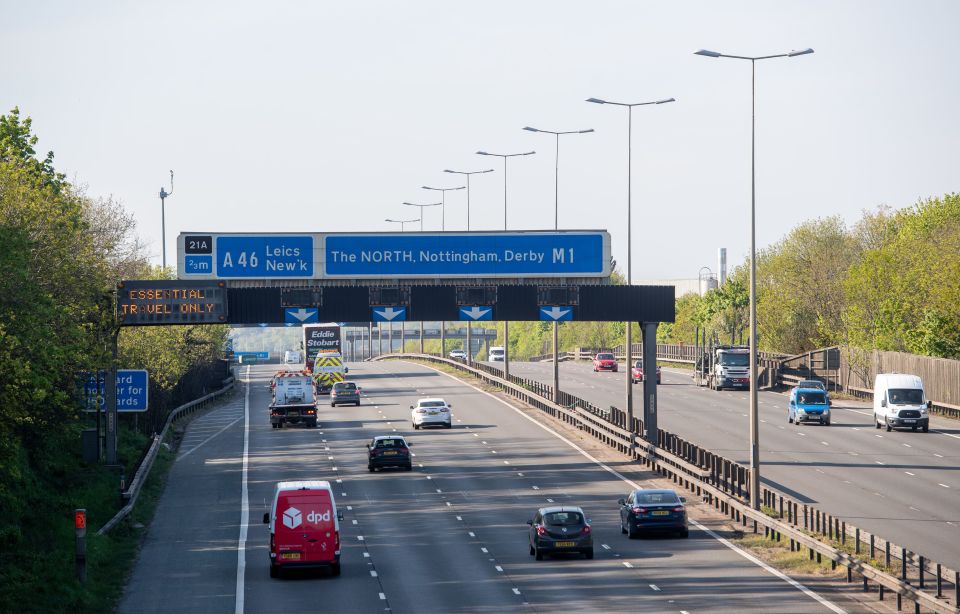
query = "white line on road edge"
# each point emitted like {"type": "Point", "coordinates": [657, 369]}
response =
{"type": "Point", "coordinates": [244, 502]}
{"type": "Point", "coordinates": [193, 449]}
{"type": "Point", "coordinates": [776, 572]}
{"type": "Point", "coordinates": [636, 486]}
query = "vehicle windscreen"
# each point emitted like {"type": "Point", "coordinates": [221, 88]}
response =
{"type": "Point", "coordinates": [342, 386]}
{"type": "Point", "coordinates": [604, 356]}
{"type": "Point", "coordinates": [495, 352]}
{"type": "Point", "coordinates": [638, 364]}
{"type": "Point", "coordinates": [432, 403]}
{"type": "Point", "coordinates": [733, 360]}
{"type": "Point", "coordinates": [905, 396]}
{"type": "Point", "coordinates": [390, 443]}
{"type": "Point", "coordinates": [653, 498]}
{"type": "Point", "coordinates": [811, 397]}
{"type": "Point", "coordinates": [563, 519]}
{"type": "Point", "coordinates": [811, 383]}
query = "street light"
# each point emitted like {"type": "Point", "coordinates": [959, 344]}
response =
{"type": "Point", "coordinates": [468, 173]}
{"type": "Point", "coordinates": [556, 226]}
{"type": "Point", "coordinates": [629, 351]}
{"type": "Point", "coordinates": [163, 218]}
{"type": "Point", "coordinates": [754, 418]}
{"type": "Point", "coordinates": [443, 227]}
{"type": "Point", "coordinates": [421, 210]}
{"type": "Point", "coordinates": [506, 325]}
{"type": "Point", "coordinates": [401, 222]}
{"type": "Point", "coordinates": [443, 203]}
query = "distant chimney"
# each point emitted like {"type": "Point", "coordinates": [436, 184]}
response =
{"type": "Point", "coordinates": [722, 265]}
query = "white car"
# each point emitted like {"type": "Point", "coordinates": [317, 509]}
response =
{"type": "Point", "coordinates": [431, 412]}
{"type": "Point", "coordinates": [458, 355]}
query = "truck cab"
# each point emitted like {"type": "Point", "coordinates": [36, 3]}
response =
{"type": "Point", "coordinates": [731, 368]}
{"type": "Point", "coordinates": [293, 400]}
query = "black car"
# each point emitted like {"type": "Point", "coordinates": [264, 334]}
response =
{"type": "Point", "coordinates": [388, 451]}
{"type": "Point", "coordinates": [653, 511]}
{"type": "Point", "coordinates": [556, 530]}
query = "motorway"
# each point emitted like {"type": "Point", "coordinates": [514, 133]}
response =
{"type": "Point", "coordinates": [901, 485]}
{"type": "Point", "coordinates": [450, 536]}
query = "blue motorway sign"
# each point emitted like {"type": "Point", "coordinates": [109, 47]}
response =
{"type": "Point", "coordinates": [132, 390]}
{"type": "Point", "coordinates": [556, 313]}
{"type": "Point", "coordinates": [389, 314]}
{"type": "Point", "coordinates": [301, 315]}
{"type": "Point", "coordinates": [502, 254]}
{"type": "Point", "coordinates": [263, 257]}
{"type": "Point", "coordinates": [476, 313]}
{"type": "Point", "coordinates": [197, 265]}
{"type": "Point", "coordinates": [260, 355]}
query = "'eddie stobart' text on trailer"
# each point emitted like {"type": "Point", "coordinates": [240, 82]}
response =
{"type": "Point", "coordinates": [317, 337]}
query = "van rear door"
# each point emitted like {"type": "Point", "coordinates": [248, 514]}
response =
{"type": "Point", "coordinates": [307, 530]}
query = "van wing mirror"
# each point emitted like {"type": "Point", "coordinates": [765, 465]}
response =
{"type": "Point", "coordinates": [621, 502]}
{"type": "Point", "coordinates": [830, 403]}
{"type": "Point", "coordinates": [883, 402]}
{"type": "Point", "coordinates": [929, 404]}
{"type": "Point", "coordinates": [266, 518]}
{"type": "Point", "coordinates": [411, 407]}
{"type": "Point", "coordinates": [683, 499]}
{"type": "Point", "coordinates": [530, 522]}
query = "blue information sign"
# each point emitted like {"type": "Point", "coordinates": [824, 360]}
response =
{"type": "Point", "coordinates": [132, 389]}
{"type": "Point", "coordinates": [264, 256]}
{"type": "Point", "coordinates": [476, 313]}
{"type": "Point", "coordinates": [556, 313]}
{"type": "Point", "coordinates": [389, 314]}
{"type": "Point", "coordinates": [567, 254]}
{"type": "Point", "coordinates": [260, 355]}
{"type": "Point", "coordinates": [197, 265]}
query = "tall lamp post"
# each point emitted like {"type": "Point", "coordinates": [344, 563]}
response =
{"type": "Point", "coordinates": [421, 230]}
{"type": "Point", "coordinates": [469, 324]}
{"type": "Point", "coordinates": [163, 217]}
{"type": "Point", "coordinates": [754, 418]}
{"type": "Point", "coordinates": [506, 325]}
{"type": "Point", "coordinates": [556, 226]}
{"type": "Point", "coordinates": [443, 228]}
{"type": "Point", "coordinates": [403, 325]}
{"type": "Point", "coordinates": [628, 355]}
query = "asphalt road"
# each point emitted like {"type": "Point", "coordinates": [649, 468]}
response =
{"type": "Point", "coordinates": [449, 536]}
{"type": "Point", "coordinates": [901, 485]}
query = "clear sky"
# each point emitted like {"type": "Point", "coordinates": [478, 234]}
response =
{"type": "Point", "coordinates": [326, 116]}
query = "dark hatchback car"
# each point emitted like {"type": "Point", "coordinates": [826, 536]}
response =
{"type": "Point", "coordinates": [344, 392]}
{"type": "Point", "coordinates": [557, 530]}
{"type": "Point", "coordinates": [660, 511]}
{"type": "Point", "coordinates": [388, 451]}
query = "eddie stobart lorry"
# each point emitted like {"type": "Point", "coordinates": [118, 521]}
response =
{"type": "Point", "coordinates": [293, 399]}
{"type": "Point", "coordinates": [321, 344]}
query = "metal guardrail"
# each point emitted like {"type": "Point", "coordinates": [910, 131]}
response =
{"type": "Point", "coordinates": [143, 471]}
{"type": "Point", "coordinates": [723, 484]}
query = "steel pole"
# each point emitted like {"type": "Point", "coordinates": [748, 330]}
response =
{"type": "Point", "coordinates": [506, 325]}
{"type": "Point", "coordinates": [754, 418]}
{"type": "Point", "coordinates": [556, 226]}
{"type": "Point", "coordinates": [443, 228]}
{"type": "Point", "coordinates": [469, 324]}
{"type": "Point", "coordinates": [163, 228]}
{"type": "Point", "coordinates": [629, 350]}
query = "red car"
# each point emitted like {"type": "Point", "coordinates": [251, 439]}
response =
{"type": "Point", "coordinates": [604, 362]}
{"type": "Point", "coordinates": [637, 372]}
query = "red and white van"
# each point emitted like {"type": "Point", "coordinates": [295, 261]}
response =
{"type": "Point", "coordinates": [304, 527]}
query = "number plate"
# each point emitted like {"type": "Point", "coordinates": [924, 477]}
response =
{"type": "Point", "coordinates": [565, 544]}
{"type": "Point", "coordinates": [390, 453]}
{"type": "Point", "coordinates": [909, 421]}
{"type": "Point", "coordinates": [295, 556]}
{"type": "Point", "coordinates": [661, 513]}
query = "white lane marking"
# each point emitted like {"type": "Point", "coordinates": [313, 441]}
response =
{"type": "Point", "coordinates": [429, 478]}
{"type": "Point", "coordinates": [914, 509]}
{"type": "Point", "coordinates": [908, 473]}
{"type": "Point", "coordinates": [880, 462]}
{"type": "Point", "coordinates": [880, 436]}
{"type": "Point", "coordinates": [191, 450]}
{"type": "Point", "coordinates": [947, 434]}
{"type": "Point", "coordinates": [824, 443]}
{"type": "Point", "coordinates": [383, 597]}
{"type": "Point", "coordinates": [506, 462]}
{"type": "Point", "coordinates": [339, 481]}
{"type": "Point", "coordinates": [536, 488]}
{"type": "Point", "coordinates": [604, 546]}
{"type": "Point", "coordinates": [827, 604]}
{"type": "Point", "coordinates": [856, 429]}
{"type": "Point", "coordinates": [448, 504]}
{"type": "Point", "coordinates": [520, 474]}
{"type": "Point", "coordinates": [329, 458]}
{"type": "Point", "coordinates": [498, 568]}
{"type": "Point", "coordinates": [906, 445]}
{"type": "Point", "coordinates": [349, 508]}
{"type": "Point", "coordinates": [483, 550]}
{"type": "Point", "coordinates": [655, 587]}
{"type": "Point", "coordinates": [471, 534]}
{"type": "Point", "coordinates": [333, 468]}
{"type": "Point", "coordinates": [801, 434]}
{"type": "Point", "coordinates": [459, 518]}
{"type": "Point", "coordinates": [373, 573]}
{"type": "Point", "coordinates": [359, 538]}
{"type": "Point", "coordinates": [366, 555]}
{"type": "Point", "coordinates": [354, 522]}
{"type": "Point", "coordinates": [516, 591]}
{"type": "Point", "coordinates": [782, 428]}
{"type": "Point", "coordinates": [483, 442]}
{"type": "Point", "coordinates": [764, 421]}
{"type": "Point", "coordinates": [938, 455]}
{"type": "Point", "coordinates": [636, 486]}
{"type": "Point", "coordinates": [853, 454]}
{"type": "Point", "coordinates": [476, 435]}
{"type": "Point", "coordinates": [438, 490]}
{"type": "Point", "coordinates": [944, 485]}
{"type": "Point", "coordinates": [628, 564]}
{"type": "Point", "coordinates": [549, 500]}
{"type": "Point", "coordinates": [244, 502]}
{"type": "Point", "coordinates": [494, 451]}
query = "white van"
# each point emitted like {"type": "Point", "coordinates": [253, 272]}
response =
{"type": "Point", "coordinates": [899, 401]}
{"type": "Point", "coordinates": [292, 357]}
{"type": "Point", "coordinates": [497, 354]}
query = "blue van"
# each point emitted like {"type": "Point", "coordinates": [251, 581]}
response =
{"type": "Point", "coordinates": [809, 405]}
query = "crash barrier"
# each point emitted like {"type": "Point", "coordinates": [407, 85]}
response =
{"type": "Point", "coordinates": [882, 565]}
{"type": "Point", "coordinates": [129, 496]}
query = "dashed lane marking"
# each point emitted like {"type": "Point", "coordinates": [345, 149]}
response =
{"type": "Point", "coordinates": [628, 564]}
{"type": "Point", "coordinates": [516, 591]}
{"type": "Point", "coordinates": [655, 587]}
